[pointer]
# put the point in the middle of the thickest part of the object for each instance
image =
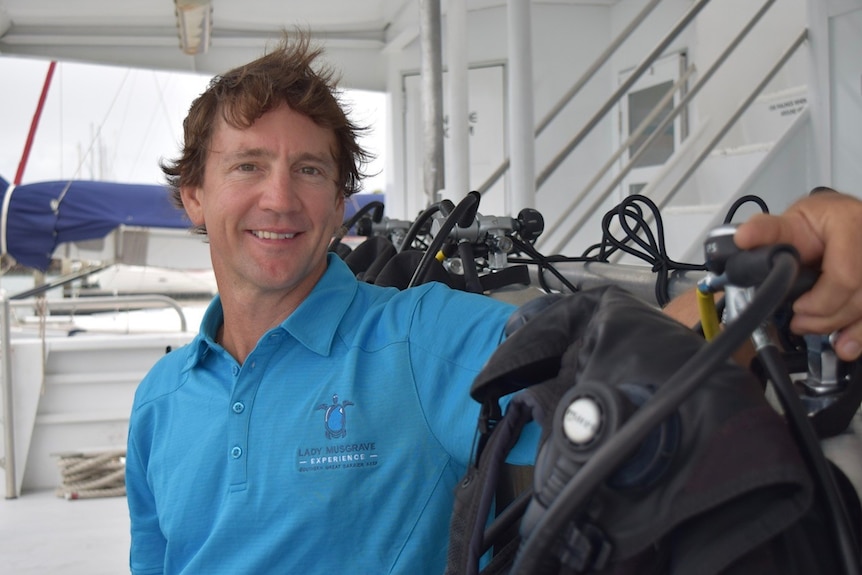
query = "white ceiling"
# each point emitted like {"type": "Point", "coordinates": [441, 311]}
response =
{"type": "Point", "coordinates": [143, 33]}
{"type": "Point", "coordinates": [358, 34]}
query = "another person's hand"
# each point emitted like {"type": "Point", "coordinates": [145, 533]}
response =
{"type": "Point", "coordinates": [826, 228]}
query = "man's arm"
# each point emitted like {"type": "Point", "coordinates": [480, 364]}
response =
{"type": "Point", "coordinates": [683, 308]}
{"type": "Point", "coordinates": [826, 228]}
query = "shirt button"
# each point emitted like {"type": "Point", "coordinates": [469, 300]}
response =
{"type": "Point", "coordinates": [236, 452]}
{"type": "Point", "coordinates": [238, 407]}
{"type": "Point", "coordinates": [235, 370]}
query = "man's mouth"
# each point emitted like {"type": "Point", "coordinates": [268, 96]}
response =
{"type": "Point", "coordinates": [264, 235]}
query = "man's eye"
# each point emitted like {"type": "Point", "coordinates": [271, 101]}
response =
{"type": "Point", "coordinates": [246, 167]}
{"type": "Point", "coordinates": [309, 171]}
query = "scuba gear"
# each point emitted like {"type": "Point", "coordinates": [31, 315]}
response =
{"type": "Point", "coordinates": [658, 455]}
{"type": "Point", "coordinates": [712, 480]}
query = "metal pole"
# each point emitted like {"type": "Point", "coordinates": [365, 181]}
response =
{"type": "Point", "coordinates": [22, 165]}
{"type": "Point", "coordinates": [8, 411]}
{"type": "Point", "coordinates": [640, 280]}
{"type": "Point", "coordinates": [110, 302]}
{"type": "Point", "coordinates": [458, 126]}
{"type": "Point", "coordinates": [522, 189]}
{"type": "Point", "coordinates": [432, 98]}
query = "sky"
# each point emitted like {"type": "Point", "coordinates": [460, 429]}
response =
{"type": "Point", "coordinates": [116, 124]}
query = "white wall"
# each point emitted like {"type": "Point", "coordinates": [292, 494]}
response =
{"type": "Point", "coordinates": [825, 76]}
{"type": "Point", "coordinates": [566, 39]}
{"type": "Point", "coordinates": [836, 105]}
{"type": "Point", "coordinates": [845, 44]}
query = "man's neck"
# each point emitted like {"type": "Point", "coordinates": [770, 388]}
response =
{"type": "Point", "coordinates": [245, 322]}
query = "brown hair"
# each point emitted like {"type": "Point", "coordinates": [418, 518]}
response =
{"type": "Point", "coordinates": [244, 94]}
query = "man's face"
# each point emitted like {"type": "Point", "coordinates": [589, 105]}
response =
{"type": "Point", "coordinates": [269, 202]}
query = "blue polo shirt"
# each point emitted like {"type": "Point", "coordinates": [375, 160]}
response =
{"type": "Point", "coordinates": [335, 447]}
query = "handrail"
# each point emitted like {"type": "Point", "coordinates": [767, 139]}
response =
{"type": "Point", "coordinates": [668, 97]}
{"type": "Point", "coordinates": [572, 92]}
{"type": "Point", "coordinates": [620, 91]}
{"type": "Point", "coordinates": [726, 127]}
{"type": "Point", "coordinates": [736, 115]}
{"type": "Point", "coordinates": [683, 103]}
{"type": "Point", "coordinates": [111, 303]}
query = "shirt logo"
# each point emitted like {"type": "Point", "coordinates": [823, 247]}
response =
{"type": "Point", "coordinates": [336, 456]}
{"type": "Point", "coordinates": [334, 417]}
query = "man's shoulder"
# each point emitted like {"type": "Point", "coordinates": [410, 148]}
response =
{"type": "Point", "coordinates": [166, 374]}
{"type": "Point", "coordinates": [432, 295]}
{"type": "Point", "coordinates": [430, 311]}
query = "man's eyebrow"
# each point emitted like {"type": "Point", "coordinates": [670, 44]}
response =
{"type": "Point", "coordinates": [249, 153]}
{"type": "Point", "coordinates": [324, 158]}
{"type": "Point", "coordinates": [254, 153]}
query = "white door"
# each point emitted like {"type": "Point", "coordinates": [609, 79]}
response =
{"type": "Point", "coordinates": [635, 107]}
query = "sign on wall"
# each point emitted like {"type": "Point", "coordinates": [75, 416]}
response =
{"type": "Point", "coordinates": [487, 125]}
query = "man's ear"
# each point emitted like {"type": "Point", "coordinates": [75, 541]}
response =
{"type": "Point", "coordinates": [191, 196]}
{"type": "Point", "coordinates": [339, 210]}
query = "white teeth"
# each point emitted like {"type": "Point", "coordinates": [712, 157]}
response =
{"type": "Point", "coordinates": [264, 235]}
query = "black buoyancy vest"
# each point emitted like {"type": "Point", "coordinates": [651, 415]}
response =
{"type": "Point", "coordinates": [719, 488]}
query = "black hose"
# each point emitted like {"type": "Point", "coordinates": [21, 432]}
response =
{"type": "Point", "coordinates": [731, 212]}
{"type": "Point", "coordinates": [543, 264]}
{"type": "Point", "coordinates": [667, 399]}
{"type": "Point", "coordinates": [469, 202]}
{"type": "Point", "coordinates": [350, 222]}
{"type": "Point", "coordinates": [805, 435]}
{"type": "Point", "coordinates": [471, 274]}
{"type": "Point", "coordinates": [413, 231]}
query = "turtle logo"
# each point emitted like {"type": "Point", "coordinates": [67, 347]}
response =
{"type": "Point", "coordinates": [334, 418]}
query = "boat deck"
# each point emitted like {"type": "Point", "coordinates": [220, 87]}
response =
{"type": "Point", "coordinates": [43, 534]}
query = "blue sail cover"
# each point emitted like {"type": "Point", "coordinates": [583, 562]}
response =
{"type": "Point", "coordinates": [38, 217]}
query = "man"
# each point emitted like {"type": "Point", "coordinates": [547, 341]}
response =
{"type": "Point", "coordinates": [317, 423]}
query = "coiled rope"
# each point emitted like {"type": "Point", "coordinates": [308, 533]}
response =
{"type": "Point", "coordinates": [91, 475]}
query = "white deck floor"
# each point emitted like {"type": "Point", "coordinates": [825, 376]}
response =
{"type": "Point", "coordinates": [42, 534]}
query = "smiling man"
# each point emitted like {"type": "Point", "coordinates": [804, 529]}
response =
{"type": "Point", "coordinates": [270, 203]}
{"type": "Point", "coordinates": [316, 424]}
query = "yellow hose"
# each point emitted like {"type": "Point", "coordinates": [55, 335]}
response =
{"type": "Point", "coordinates": [708, 314]}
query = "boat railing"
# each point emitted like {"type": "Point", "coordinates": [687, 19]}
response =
{"type": "Point", "coordinates": [108, 303]}
{"type": "Point", "coordinates": [105, 303]}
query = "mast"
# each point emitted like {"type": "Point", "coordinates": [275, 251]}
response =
{"type": "Point", "coordinates": [35, 123]}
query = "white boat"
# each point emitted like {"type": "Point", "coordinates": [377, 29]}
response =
{"type": "Point", "coordinates": [739, 97]}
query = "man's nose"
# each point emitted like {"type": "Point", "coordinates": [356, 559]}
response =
{"type": "Point", "coordinates": [279, 192]}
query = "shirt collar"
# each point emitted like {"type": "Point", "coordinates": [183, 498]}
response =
{"type": "Point", "coordinates": [314, 323]}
